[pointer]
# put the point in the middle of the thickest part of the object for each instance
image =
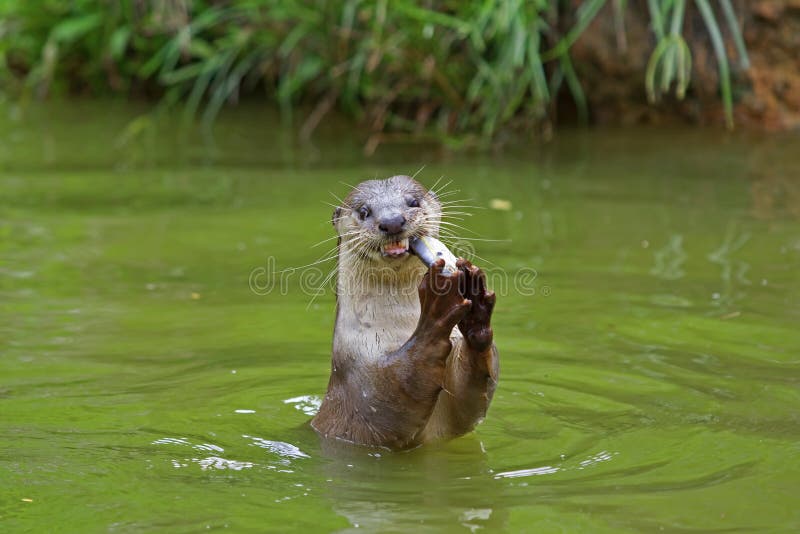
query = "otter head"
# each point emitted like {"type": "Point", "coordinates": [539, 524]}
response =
{"type": "Point", "coordinates": [378, 217]}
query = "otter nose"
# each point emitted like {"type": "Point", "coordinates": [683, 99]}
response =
{"type": "Point", "coordinates": [392, 225]}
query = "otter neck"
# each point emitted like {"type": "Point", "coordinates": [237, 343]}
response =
{"type": "Point", "coordinates": [377, 305]}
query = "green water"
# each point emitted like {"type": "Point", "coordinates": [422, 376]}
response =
{"type": "Point", "coordinates": [650, 372]}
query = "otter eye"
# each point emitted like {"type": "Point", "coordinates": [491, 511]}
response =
{"type": "Point", "coordinates": [412, 202]}
{"type": "Point", "coordinates": [363, 212]}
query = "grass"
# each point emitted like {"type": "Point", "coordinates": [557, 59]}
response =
{"type": "Point", "coordinates": [449, 67]}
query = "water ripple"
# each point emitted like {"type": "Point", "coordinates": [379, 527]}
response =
{"type": "Point", "coordinates": [286, 451]}
{"type": "Point", "coordinates": [308, 404]}
{"type": "Point", "coordinates": [534, 471]}
{"type": "Point", "coordinates": [602, 456]}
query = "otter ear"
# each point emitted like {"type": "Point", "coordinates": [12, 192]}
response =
{"type": "Point", "coordinates": [337, 214]}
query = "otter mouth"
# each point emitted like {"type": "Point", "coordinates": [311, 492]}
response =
{"type": "Point", "coordinates": [395, 249]}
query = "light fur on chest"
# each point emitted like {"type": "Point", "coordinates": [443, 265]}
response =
{"type": "Point", "coordinates": [377, 323]}
{"type": "Point", "coordinates": [377, 311]}
{"type": "Point", "coordinates": [369, 325]}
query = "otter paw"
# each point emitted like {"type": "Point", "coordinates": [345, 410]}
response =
{"type": "Point", "coordinates": [441, 302]}
{"type": "Point", "coordinates": [475, 325]}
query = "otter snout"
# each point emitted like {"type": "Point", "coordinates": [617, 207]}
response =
{"type": "Point", "coordinates": [392, 225]}
{"type": "Point", "coordinates": [378, 217]}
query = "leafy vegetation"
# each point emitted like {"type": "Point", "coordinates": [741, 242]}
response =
{"type": "Point", "coordinates": [402, 66]}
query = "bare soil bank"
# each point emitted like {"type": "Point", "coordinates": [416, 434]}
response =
{"type": "Point", "coordinates": [612, 69]}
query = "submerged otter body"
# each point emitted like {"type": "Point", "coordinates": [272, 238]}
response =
{"type": "Point", "coordinates": [413, 353]}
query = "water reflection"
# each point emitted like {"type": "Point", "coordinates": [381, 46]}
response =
{"type": "Point", "coordinates": [424, 489]}
{"type": "Point", "coordinates": [774, 181]}
{"type": "Point", "coordinates": [670, 259]}
{"type": "Point", "coordinates": [733, 271]}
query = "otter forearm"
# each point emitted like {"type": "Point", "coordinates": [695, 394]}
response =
{"type": "Point", "coordinates": [389, 402]}
{"type": "Point", "coordinates": [479, 366]}
{"type": "Point", "coordinates": [469, 384]}
{"type": "Point", "coordinates": [471, 379]}
{"type": "Point", "coordinates": [407, 387]}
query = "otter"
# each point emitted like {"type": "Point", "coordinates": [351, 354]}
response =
{"type": "Point", "coordinates": [413, 353]}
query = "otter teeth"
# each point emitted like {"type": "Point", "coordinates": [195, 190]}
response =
{"type": "Point", "coordinates": [395, 249]}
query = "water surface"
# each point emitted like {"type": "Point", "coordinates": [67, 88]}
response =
{"type": "Point", "coordinates": [650, 370]}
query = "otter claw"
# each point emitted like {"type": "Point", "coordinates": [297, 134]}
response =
{"type": "Point", "coordinates": [475, 325]}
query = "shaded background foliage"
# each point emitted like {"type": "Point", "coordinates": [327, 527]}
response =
{"type": "Point", "coordinates": [438, 67]}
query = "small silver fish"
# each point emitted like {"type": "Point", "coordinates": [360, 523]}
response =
{"type": "Point", "coordinates": [429, 249]}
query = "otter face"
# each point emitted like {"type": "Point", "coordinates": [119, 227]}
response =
{"type": "Point", "coordinates": [379, 216]}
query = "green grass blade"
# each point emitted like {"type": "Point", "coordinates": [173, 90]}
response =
{"type": "Point", "coordinates": [733, 25]}
{"type": "Point", "coordinates": [684, 68]}
{"type": "Point", "coordinates": [74, 28]}
{"type": "Point", "coordinates": [668, 71]}
{"type": "Point", "coordinates": [540, 91]}
{"type": "Point", "coordinates": [619, 25]}
{"type": "Point", "coordinates": [201, 83]}
{"type": "Point", "coordinates": [229, 86]}
{"type": "Point", "coordinates": [575, 89]}
{"type": "Point", "coordinates": [722, 59]}
{"type": "Point", "coordinates": [413, 11]}
{"type": "Point", "coordinates": [586, 13]}
{"type": "Point", "coordinates": [652, 68]}
{"type": "Point", "coordinates": [676, 24]}
{"type": "Point", "coordinates": [656, 19]}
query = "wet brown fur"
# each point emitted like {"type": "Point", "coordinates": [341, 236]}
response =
{"type": "Point", "coordinates": [413, 357]}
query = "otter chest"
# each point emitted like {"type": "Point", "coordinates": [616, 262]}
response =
{"type": "Point", "coordinates": [371, 325]}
